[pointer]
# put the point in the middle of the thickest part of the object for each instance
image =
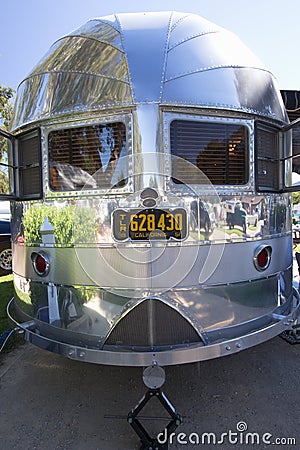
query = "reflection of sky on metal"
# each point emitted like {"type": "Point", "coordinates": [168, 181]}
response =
{"type": "Point", "coordinates": [295, 178]}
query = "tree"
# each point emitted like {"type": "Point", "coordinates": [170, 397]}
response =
{"type": "Point", "coordinates": [296, 198]}
{"type": "Point", "coordinates": [6, 95]}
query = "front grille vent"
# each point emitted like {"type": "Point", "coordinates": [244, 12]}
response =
{"type": "Point", "coordinates": [152, 324]}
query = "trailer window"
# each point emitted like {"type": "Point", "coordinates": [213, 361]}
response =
{"type": "Point", "coordinates": [29, 154]}
{"type": "Point", "coordinates": [219, 150]}
{"type": "Point", "coordinates": [267, 157]}
{"type": "Point", "coordinates": [87, 157]}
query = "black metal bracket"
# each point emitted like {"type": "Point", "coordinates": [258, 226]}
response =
{"type": "Point", "coordinates": [148, 442]}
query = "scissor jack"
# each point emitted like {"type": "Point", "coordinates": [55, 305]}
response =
{"type": "Point", "coordinates": [292, 335]}
{"type": "Point", "coordinates": [154, 378]}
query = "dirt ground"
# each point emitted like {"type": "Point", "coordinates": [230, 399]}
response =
{"type": "Point", "coordinates": [48, 402]}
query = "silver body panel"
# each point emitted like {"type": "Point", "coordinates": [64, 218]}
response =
{"type": "Point", "coordinates": [132, 59]}
{"type": "Point", "coordinates": [119, 302]}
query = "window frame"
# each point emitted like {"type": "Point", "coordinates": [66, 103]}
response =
{"type": "Point", "coordinates": [16, 168]}
{"type": "Point", "coordinates": [275, 130]}
{"type": "Point", "coordinates": [21, 137]}
{"type": "Point", "coordinates": [286, 138]}
{"type": "Point", "coordinates": [284, 157]}
{"type": "Point", "coordinates": [126, 119]}
{"type": "Point", "coordinates": [12, 175]}
{"type": "Point", "coordinates": [169, 117]}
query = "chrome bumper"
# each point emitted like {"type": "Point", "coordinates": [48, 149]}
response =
{"type": "Point", "coordinates": [249, 334]}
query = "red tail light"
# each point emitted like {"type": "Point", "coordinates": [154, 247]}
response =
{"type": "Point", "coordinates": [262, 257]}
{"type": "Point", "coordinates": [41, 263]}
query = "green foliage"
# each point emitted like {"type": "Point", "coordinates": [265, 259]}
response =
{"type": "Point", "coordinates": [71, 224]}
{"type": "Point", "coordinates": [6, 293]}
{"type": "Point", "coordinates": [84, 226]}
{"type": "Point", "coordinates": [6, 94]}
{"type": "Point", "coordinates": [296, 198]}
{"type": "Point", "coordinates": [32, 222]}
{"type": "Point", "coordinates": [4, 182]}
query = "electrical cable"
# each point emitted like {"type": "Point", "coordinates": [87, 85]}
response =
{"type": "Point", "coordinates": [8, 334]}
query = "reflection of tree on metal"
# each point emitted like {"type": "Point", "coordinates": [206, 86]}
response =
{"type": "Point", "coordinates": [6, 93]}
{"type": "Point", "coordinates": [87, 157]}
{"type": "Point", "coordinates": [65, 177]}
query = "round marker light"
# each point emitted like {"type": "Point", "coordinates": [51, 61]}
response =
{"type": "Point", "coordinates": [262, 257]}
{"type": "Point", "coordinates": [41, 263]}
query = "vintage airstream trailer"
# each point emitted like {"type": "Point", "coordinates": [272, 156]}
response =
{"type": "Point", "coordinates": [150, 164]}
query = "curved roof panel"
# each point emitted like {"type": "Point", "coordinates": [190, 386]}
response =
{"type": "Point", "coordinates": [165, 58]}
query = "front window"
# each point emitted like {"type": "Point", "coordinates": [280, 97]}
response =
{"type": "Point", "coordinates": [87, 157]}
{"type": "Point", "coordinates": [219, 150]}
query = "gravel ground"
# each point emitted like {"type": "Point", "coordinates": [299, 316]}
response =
{"type": "Point", "coordinates": [48, 402]}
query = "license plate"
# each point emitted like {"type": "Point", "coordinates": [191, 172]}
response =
{"type": "Point", "coordinates": [149, 224]}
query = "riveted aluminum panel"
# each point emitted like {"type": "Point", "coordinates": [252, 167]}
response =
{"type": "Point", "coordinates": [186, 26]}
{"type": "Point", "coordinates": [235, 88]}
{"type": "Point", "coordinates": [101, 31]}
{"type": "Point", "coordinates": [166, 58]}
{"type": "Point", "coordinates": [145, 38]}
{"type": "Point", "coordinates": [156, 269]}
{"type": "Point", "coordinates": [207, 52]}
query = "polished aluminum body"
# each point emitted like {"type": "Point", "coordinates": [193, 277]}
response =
{"type": "Point", "coordinates": [131, 302]}
{"type": "Point", "coordinates": [145, 59]}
